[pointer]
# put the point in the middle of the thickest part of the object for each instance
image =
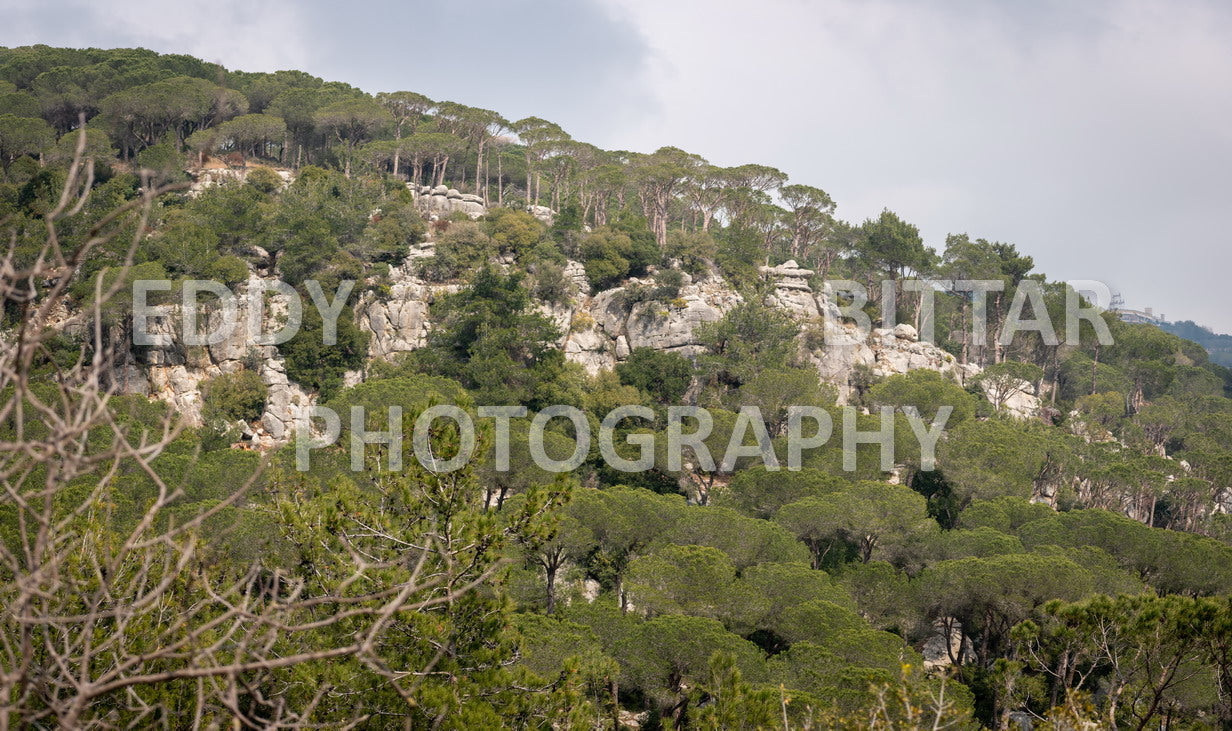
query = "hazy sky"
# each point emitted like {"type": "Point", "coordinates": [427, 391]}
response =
{"type": "Point", "coordinates": [1096, 136]}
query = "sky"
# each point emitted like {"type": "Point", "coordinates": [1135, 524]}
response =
{"type": "Point", "coordinates": [1095, 136]}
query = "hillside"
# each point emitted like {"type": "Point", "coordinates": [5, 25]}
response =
{"type": "Point", "coordinates": [1218, 346]}
{"type": "Point", "coordinates": [185, 532]}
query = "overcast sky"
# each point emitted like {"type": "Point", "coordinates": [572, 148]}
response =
{"type": "Point", "coordinates": [1096, 136]}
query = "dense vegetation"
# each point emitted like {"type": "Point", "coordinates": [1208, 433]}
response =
{"type": "Point", "coordinates": [1219, 346]}
{"type": "Point", "coordinates": [1076, 567]}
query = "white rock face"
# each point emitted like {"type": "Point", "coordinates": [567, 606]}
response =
{"type": "Point", "coordinates": [398, 324]}
{"type": "Point", "coordinates": [604, 330]}
{"type": "Point", "coordinates": [441, 202]}
{"type": "Point", "coordinates": [886, 352]}
{"type": "Point", "coordinates": [792, 291]}
{"type": "Point", "coordinates": [543, 213]}
{"type": "Point", "coordinates": [598, 331]}
{"type": "Point", "coordinates": [204, 178]}
{"type": "Point", "coordinates": [1022, 402]}
{"type": "Point", "coordinates": [174, 373]}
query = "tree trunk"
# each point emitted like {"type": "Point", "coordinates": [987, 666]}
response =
{"type": "Point", "coordinates": [966, 338]}
{"type": "Point", "coordinates": [528, 203]}
{"type": "Point", "coordinates": [479, 169]}
{"type": "Point", "coordinates": [500, 179]}
{"type": "Point", "coordinates": [551, 586]}
{"type": "Point", "coordinates": [1094, 365]}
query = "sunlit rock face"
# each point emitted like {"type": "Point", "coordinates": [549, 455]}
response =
{"type": "Point", "coordinates": [597, 331]}
{"type": "Point", "coordinates": [440, 202]}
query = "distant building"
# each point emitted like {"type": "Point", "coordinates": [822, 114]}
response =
{"type": "Point", "coordinates": [1128, 314]}
{"type": "Point", "coordinates": [1146, 316]}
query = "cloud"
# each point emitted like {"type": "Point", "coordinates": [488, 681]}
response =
{"type": "Point", "coordinates": [568, 60]}
{"type": "Point", "coordinates": [263, 36]}
{"type": "Point", "coordinates": [1092, 135]}
{"type": "Point", "coordinates": [561, 59]}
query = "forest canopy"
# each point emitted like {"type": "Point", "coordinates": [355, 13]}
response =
{"type": "Point", "coordinates": [1069, 565]}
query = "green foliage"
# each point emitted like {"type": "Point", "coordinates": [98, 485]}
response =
{"type": "Point", "coordinates": [264, 179]}
{"type": "Point", "coordinates": [745, 541]}
{"type": "Point", "coordinates": [750, 339]}
{"type": "Point", "coordinates": [695, 251]}
{"type": "Point", "coordinates": [163, 161]}
{"type": "Point", "coordinates": [230, 270]}
{"type": "Point", "coordinates": [21, 135]}
{"type": "Point", "coordinates": [611, 255]}
{"type": "Point", "coordinates": [990, 595]}
{"type": "Point", "coordinates": [317, 366]}
{"type": "Point", "coordinates": [1150, 651]}
{"type": "Point", "coordinates": [1002, 381]}
{"type": "Point", "coordinates": [512, 231]}
{"type": "Point", "coordinates": [927, 391]}
{"type": "Point", "coordinates": [665, 376]}
{"type": "Point", "coordinates": [997, 457]}
{"type": "Point", "coordinates": [490, 339]}
{"type": "Point", "coordinates": [712, 614]}
{"type": "Point", "coordinates": [683, 579]}
{"type": "Point", "coordinates": [759, 492]}
{"type": "Point", "coordinates": [775, 390]}
{"type": "Point", "coordinates": [462, 249]}
{"type": "Point", "coordinates": [230, 397]}
{"type": "Point", "coordinates": [551, 285]}
{"type": "Point", "coordinates": [894, 246]}
{"type": "Point", "coordinates": [869, 518]}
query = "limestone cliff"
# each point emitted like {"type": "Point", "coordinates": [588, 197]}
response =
{"type": "Point", "coordinates": [598, 330]}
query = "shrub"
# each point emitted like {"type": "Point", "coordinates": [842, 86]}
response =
{"type": "Point", "coordinates": [264, 179]}
{"type": "Point", "coordinates": [231, 397]}
{"type": "Point", "coordinates": [551, 284]}
{"type": "Point", "coordinates": [665, 376]}
{"type": "Point", "coordinates": [163, 160]}
{"type": "Point", "coordinates": [389, 237]}
{"type": "Point", "coordinates": [317, 366]}
{"type": "Point", "coordinates": [229, 270]}
{"type": "Point", "coordinates": [694, 250]}
{"type": "Point", "coordinates": [463, 247]}
{"type": "Point", "coordinates": [610, 255]}
{"type": "Point", "coordinates": [513, 231]}
{"type": "Point", "coordinates": [581, 321]}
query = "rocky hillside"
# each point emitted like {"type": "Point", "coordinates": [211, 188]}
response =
{"type": "Point", "coordinates": [598, 331]}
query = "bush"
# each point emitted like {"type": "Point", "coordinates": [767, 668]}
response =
{"type": "Point", "coordinates": [926, 390]}
{"type": "Point", "coordinates": [264, 179]}
{"type": "Point", "coordinates": [462, 248]}
{"type": "Point", "coordinates": [320, 367]}
{"type": "Point", "coordinates": [513, 231]}
{"type": "Point", "coordinates": [229, 270]}
{"type": "Point", "coordinates": [611, 255]}
{"type": "Point", "coordinates": [231, 397]}
{"type": "Point", "coordinates": [551, 284]}
{"type": "Point", "coordinates": [740, 251]}
{"type": "Point", "coordinates": [164, 160]}
{"type": "Point", "coordinates": [22, 169]}
{"type": "Point", "coordinates": [665, 376]}
{"type": "Point", "coordinates": [390, 236]}
{"type": "Point", "coordinates": [695, 251]}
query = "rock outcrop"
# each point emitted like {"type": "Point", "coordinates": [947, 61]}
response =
{"type": "Point", "coordinates": [598, 331]}
{"type": "Point", "coordinates": [174, 372]}
{"type": "Point", "coordinates": [441, 202]}
{"type": "Point", "coordinates": [543, 213]}
{"type": "Point", "coordinates": [606, 327]}
{"type": "Point", "coordinates": [217, 174]}
{"type": "Point", "coordinates": [885, 351]}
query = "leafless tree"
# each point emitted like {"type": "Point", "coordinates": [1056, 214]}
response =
{"type": "Point", "coordinates": [123, 622]}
